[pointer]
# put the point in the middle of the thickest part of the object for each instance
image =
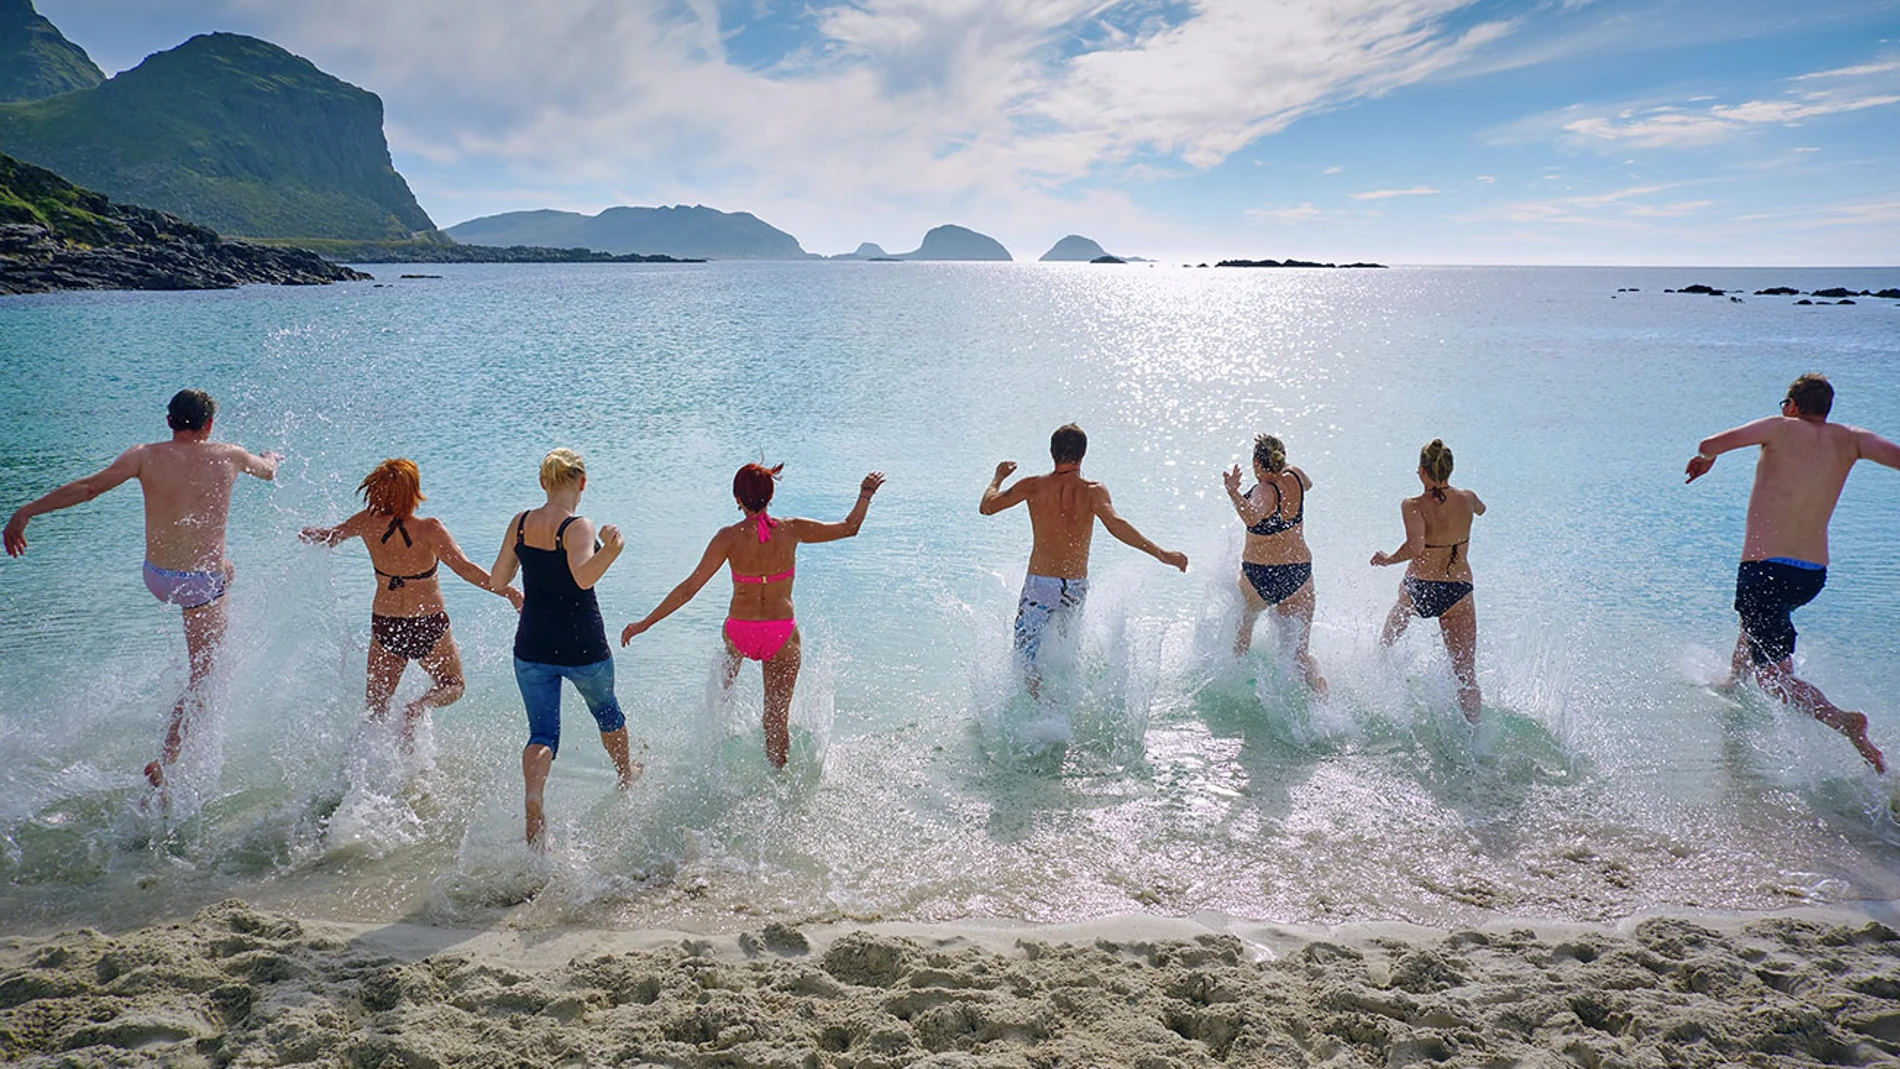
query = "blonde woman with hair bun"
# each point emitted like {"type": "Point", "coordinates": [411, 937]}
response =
{"type": "Point", "coordinates": [1276, 567]}
{"type": "Point", "coordinates": [561, 635]}
{"type": "Point", "coordinates": [408, 621]}
{"type": "Point", "coordinates": [1437, 583]}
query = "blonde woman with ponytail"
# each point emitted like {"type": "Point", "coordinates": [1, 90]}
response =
{"type": "Point", "coordinates": [1437, 582]}
{"type": "Point", "coordinates": [408, 621]}
{"type": "Point", "coordinates": [1276, 567]}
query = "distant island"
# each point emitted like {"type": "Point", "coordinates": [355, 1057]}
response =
{"type": "Point", "coordinates": [869, 250]}
{"type": "Point", "coordinates": [227, 131]}
{"type": "Point", "coordinates": [1289, 263]}
{"type": "Point", "coordinates": [952, 242]}
{"type": "Point", "coordinates": [56, 236]}
{"type": "Point", "coordinates": [695, 232]}
{"type": "Point", "coordinates": [1074, 249]}
{"type": "Point", "coordinates": [444, 251]}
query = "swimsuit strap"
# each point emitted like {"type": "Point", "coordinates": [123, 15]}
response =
{"type": "Point", "coordinates": [1454, 547]}
{"type": "Point", "coordinates": [1437, 492]}
{"type": "Point", "coordinates": [396, 582]}
{"type": "Point", "coordinates": [786, 574]}
{"type": "Point", "coordinates": [765, 525]}
{"type": "Point", "coordinates": [396, 527]}
{"type": "Point", "coordinates": [561, 530]}
{"type": "Point", "coordinates": [521, 529]}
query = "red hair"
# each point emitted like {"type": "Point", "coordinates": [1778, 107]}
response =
{"type": "Point", "coordinates": [394, 488]}
{"type": "Point", "coordinates": [753, 485]}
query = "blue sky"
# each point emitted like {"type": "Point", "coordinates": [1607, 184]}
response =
{"type": "Point", "coordinates": [1405, 131]}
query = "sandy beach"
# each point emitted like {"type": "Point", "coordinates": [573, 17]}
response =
{"type": "Point", "coordinates": [233, 985]}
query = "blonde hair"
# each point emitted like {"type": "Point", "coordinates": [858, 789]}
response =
{"type": "Point", "coordinates": [394, 488]}
{"type": "Point", "coordinates": [1269, 452]}
{"type": "Point", "coordinates": [562, 467]}
{"type": "Point", "coordinates": [1435, 460]}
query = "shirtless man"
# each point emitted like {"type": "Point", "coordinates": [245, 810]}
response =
{"type": "Point", "coordinates": [1063, 508]}
{"type": "Point", "coordinates": [1804, 463]}
{"type": "Point", "coordinates": [187, 484]}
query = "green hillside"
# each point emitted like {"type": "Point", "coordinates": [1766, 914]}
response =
{"type": "Point", "coordinates": [230, 132]}
{"type": "Point", "coordinates": [36, 60]}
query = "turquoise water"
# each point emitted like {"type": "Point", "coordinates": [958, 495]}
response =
{"type": "Point", "coordinates": [1608, 778]}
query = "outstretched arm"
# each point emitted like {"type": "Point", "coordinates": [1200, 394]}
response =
{"type": "Point", "coordinates": [73, 493]}
{"type": "Point", "coordinates": [1877, 449]}
{"type": "Point", "coordinates": [342, 532]}
{"type": "Point", "coordinates": [1414, 535]}
{"type": "Point", "coordinates": [264, 465]}
{"type": "Point", "coordinates": [709, 565]}
{"type": "Point", "coordinates": [1735, 438]}
{"type": "Point", "coordinates": [443, 545]}
{"type": "Point", "coordinates": [996, 499]}
{"type": "Point", "coordinates": [1125, 532]}
{"type": "Point", "coordinates": [814, 531]}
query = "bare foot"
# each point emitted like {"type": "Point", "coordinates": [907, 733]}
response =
{"type": "Point", "coordinates": [155, 773]}
{"type": "Point", "coordinates": [634, 769]}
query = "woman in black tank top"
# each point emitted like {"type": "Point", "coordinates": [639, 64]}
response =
{"type": "Point", "coordinates": [560, 635]}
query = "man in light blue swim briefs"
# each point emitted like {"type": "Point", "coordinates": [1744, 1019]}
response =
{"type": "Point", "coordinates": [1063, 508]}
{"type": "Point", "coordinates": [1798, 479]}
{"type": "Point", "coordinates": [187, 485]}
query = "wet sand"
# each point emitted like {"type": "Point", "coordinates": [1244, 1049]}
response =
{"type": "Point", "coordinates": [234, 985]}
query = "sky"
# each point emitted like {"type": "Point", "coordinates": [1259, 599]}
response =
{"type": "Point", "coordinates": [1747, 132]}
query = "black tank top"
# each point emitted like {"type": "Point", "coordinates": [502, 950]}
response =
{"type": "Point", "coordinates": [560, 622]}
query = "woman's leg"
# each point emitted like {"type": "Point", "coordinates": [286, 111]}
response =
{"type": "Point", "coordinates": [541, 693]}
{"type": "Point", "coordinates": [596, 685]}
{"type": "Point", "coordinates": [444, 665]}
{"type": "Point", "coordinates": [1399, 618]}
{"type": "Point", "coordinates": [1251, 606]}
{"type": "Point", "coordinates": [781, 676]}
{"type": "Point", "coordinates": [1459, 625]}
{"type": "Point", "coordinates": [1297, 611]}
{"type": "Point", "coordinates": [385, 671]}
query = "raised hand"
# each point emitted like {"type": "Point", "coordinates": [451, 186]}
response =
{"type": "Point", "coordinates": [1232, 479]}
{"type": "Point", "coordinates": [610, 537]}
{"type": "Point", "coordinates": [1005, 470]}
{"type": "Point", "coordinates": [870, 484]}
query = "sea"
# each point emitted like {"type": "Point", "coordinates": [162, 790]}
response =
{"type": "Point", "coordinates": [1153, 772]}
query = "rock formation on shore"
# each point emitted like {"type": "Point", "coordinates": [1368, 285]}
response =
{"type": "Point", "coordinates": [36, 60]}
{"type": "Point", "coordinates": [232, 133]}
{"type": "Point", "coordinates": [57, 236]}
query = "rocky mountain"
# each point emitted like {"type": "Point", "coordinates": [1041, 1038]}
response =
{"type": "Point", "coordinates": [680, 231]}
{"type": "Point", "coordinates": [57, 236]}
{"type": "Point", "coordinates": [36, 60]}
{"type": "Point", "coordinates": [1074, 249]}
{"type": "Point", "coordinates": [951, 242]}
{"type": "Point", "coordinates": [229, 132]}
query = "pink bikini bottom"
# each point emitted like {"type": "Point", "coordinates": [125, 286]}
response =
{"type": "Point", "coordinates": [758, 639]}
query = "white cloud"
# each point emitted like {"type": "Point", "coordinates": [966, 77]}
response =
{"type": "Point", "coordinates": [1304, 213]}
{"type": "Point", "coordinates": [1487, 179]}
{"type": "Point", "coordinates": [1382, 194]}
{"type": "Point", "coordinates": [1332, 170]}
{"type": "Point", "coordinates": [894, 111]}
{"type": "Point", "coordinates": [1861, 71]}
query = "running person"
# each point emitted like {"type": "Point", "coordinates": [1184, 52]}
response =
{"type": "Point", "coordinates": [1438, 580]}
{"type": "Point", "coordinates": [1798, 479]}
{"type": "Point", "coordinates": [1276, 567]}
{"type": "Point", "coordinates": [1063, 508]}
{"type": "Point", "coordinates": [761, 551]}
{"type": "Point", "coordinates": [560, 634]}
{"type": "Point", "coordinates": [187, 485]}
{"type": "Point", "coordinates": [408, 621]}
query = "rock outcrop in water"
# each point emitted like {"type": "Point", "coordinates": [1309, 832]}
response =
{"type": "Point", "coordinates": [1289, 263]}
{"type": "Point", "coordinates": [231, 133]}
{"type": "Point", "coordinates": [679, 231]}
{"type": "Point", "coordinates": [952, 242]}
{"type": "Point", "coordinates": [869, 250]}
{"type": "Point", "coordinates": [56, 236]}
{"type": "Point", "coordinates": [1074, 249]}
{"type": "Point", "coordinates": [36, 60]}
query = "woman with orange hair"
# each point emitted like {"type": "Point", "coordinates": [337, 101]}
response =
{"type": "Point", "coordinates": [761, 551]}
{"type": "Point", "coordinates": [407, 620]}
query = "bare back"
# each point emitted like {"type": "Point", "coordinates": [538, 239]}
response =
{"type": "Point", "coordinates": [1062, 508]}
{"type": "Point", "coordinates": [1798, 481]}
{"type": "Point", "coordinates": [751, 558]}
{"type": "Point", "coordinates": [1444, 553]}
{"type": "Point", "coordinates": [187, 487]}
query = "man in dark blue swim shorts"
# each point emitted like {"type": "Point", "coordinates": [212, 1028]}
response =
{"type": "Point", "coordinates": [1798, 479]}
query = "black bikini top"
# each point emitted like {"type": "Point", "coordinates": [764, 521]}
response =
{"type": "Point", "coordinates": [1273, 523]}
{"type": "Point", "coordinates": [396, 581]}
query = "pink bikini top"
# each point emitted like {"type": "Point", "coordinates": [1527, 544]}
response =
{"type": "Point", "coordinates": [766, 523]}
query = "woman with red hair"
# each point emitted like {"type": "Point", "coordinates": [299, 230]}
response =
{"type": "Point", "coordinates": [761, 551]}
{"type": "Point", "coordinates": [407, 619]}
